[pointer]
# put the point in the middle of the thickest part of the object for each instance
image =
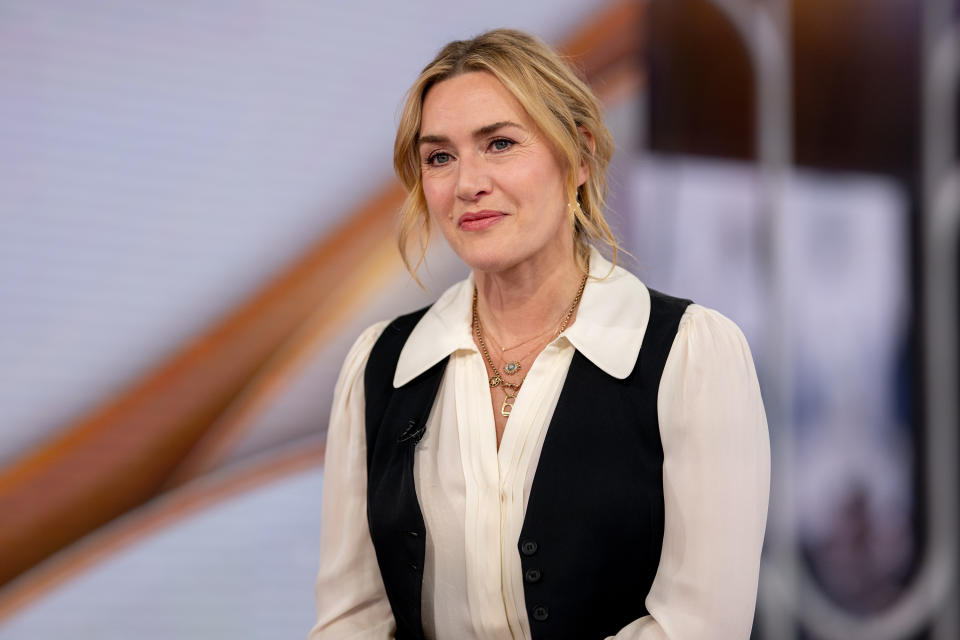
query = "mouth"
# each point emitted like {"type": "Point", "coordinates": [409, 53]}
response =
{"type": "Point", "coordinates": [477, 220]}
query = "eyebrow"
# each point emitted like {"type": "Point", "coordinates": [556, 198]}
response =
{"type": "Point", "coordinates": [479, 133]}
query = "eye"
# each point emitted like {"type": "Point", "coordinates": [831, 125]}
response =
{"type": "Point", "coordinates": [501, 144]}
{"type": "Point", "coordinates": [439, 158]}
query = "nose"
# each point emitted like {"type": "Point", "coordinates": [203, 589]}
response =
{"type": "Point", "coordinates": [473, 178]}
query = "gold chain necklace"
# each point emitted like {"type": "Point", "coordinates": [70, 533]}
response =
{"type": "Point", "coordinates": [512, 367]}
{"type": "Point", "coordinates": [511, 389]}
{"type": "Point", "coordinates": [493, 339]}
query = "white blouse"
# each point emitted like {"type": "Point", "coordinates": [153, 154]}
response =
{"type": "Point", "coordinates": [473, 497]}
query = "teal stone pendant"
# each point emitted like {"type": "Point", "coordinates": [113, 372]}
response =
{"type": "Point", "coordinates": [511, 368]}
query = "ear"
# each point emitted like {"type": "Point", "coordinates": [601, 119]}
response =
{"type": "Point", "coordinates": [583, 171]}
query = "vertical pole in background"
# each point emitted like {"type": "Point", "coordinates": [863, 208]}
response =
{"type": "Point", "coordinates": [772, 54]}
{"type": "Point", "coordinates": [765, 29]}
{"type": "Point", "coordinates": [940, 55]}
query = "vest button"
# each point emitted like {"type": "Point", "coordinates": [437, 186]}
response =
{"type": "Point", "coordinates": [532, 575]}
{"type": "Point", "coordinates": [528, 547]}
{"type": "Point", "coordinates": [540, 613]}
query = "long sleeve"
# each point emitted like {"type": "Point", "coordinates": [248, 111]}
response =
{"type": "Point", "coordinates": [716, 481]}
{"type": "Point", "coordinates": [351, 600]}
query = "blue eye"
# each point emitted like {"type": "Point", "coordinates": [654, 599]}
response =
{"type": "Point", "coordinates": [501, 144]}
{"type": "Point", "coordinates": [439, 158]}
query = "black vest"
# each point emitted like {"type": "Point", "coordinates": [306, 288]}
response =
{"type": "Point", "coordinates": [593, 528]}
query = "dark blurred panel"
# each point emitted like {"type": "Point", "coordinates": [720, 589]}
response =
{"type": "Point", "coordinates": [701, 83]}
{"type": "Point", "coordinates": [856, 83]}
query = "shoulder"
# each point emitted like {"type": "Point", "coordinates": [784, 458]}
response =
{"type": "Point", "coordinates": [709, 332]}
{"type": "Point", "coordinates": [709, 365]}
{"type": "Point", "coordinates": [379, 344]}
{"type": "Point", "coordinates": [398, 329]}
{"type": "Point", "coordinates": [385, 352]}
{"type": "Point", "coordinates": [379, 335]}
{"type": "Point", "coordinates": [709, 403]}
{"type": "Point", "coordinates": [356, 359]}
{"type": "Point", "coordinates": [403, 347]}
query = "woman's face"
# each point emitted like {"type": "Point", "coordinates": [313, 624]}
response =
{"type": "Point", "coordinates": [492, 182]}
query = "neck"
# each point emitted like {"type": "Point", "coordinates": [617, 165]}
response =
{"type": "Point", "coordinates": [527, 299]}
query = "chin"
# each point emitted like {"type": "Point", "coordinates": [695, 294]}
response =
{"type": "Point", "coordinates": [488, 260]}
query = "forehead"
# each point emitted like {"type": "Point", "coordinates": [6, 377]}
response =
{"type": "Point", "coordinates": [467, 102]}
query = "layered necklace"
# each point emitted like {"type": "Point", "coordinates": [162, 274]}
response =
{"type": "Point", "coordinates": [511, 368]}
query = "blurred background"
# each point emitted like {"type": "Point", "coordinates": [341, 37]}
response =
{"type": "Point", "coordinates": [196, 216]}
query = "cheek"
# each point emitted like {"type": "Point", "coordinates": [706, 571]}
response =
{"type": "Point", "coordinates": [545, 171]}
{"type": "Point", "coordinates": [439, 198]}
{"type": "Point", "coordinates": [551, 193]}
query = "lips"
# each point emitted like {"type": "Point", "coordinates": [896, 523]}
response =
{"type": "Point", "coordinates": [477, 220]}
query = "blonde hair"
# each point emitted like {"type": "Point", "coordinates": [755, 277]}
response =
{"type": "Point", "coordinates": [558, 102]}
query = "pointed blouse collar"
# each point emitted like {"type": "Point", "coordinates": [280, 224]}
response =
{"type": "Point", "coordinates": [608, 330]}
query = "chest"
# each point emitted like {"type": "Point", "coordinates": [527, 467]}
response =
{"type": "Point", "coordinates": [590, 537]}
{"type": "Point", "coordinates": [597, 478]}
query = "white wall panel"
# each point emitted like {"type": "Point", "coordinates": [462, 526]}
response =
{"type": "Point", "coordinates": [160, 161]}
{"type": "Point", "coordinates": [242, 569]}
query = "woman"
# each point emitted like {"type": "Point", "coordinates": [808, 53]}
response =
{"type": "Point", "coordinates": [551, 450]}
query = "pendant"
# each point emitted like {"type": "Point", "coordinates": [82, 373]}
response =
{"type": "Point", "coordinates": [511, 368]}
{"type": "Point", "coordinates": [507, 405]}
{"type": "Point", "coordinates": [494, 381]}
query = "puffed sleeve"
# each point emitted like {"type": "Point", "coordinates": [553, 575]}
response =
{"type": "Point", "coordinates": [716, 483]}
{"type": "Point", "coordinates": [351, 600]}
